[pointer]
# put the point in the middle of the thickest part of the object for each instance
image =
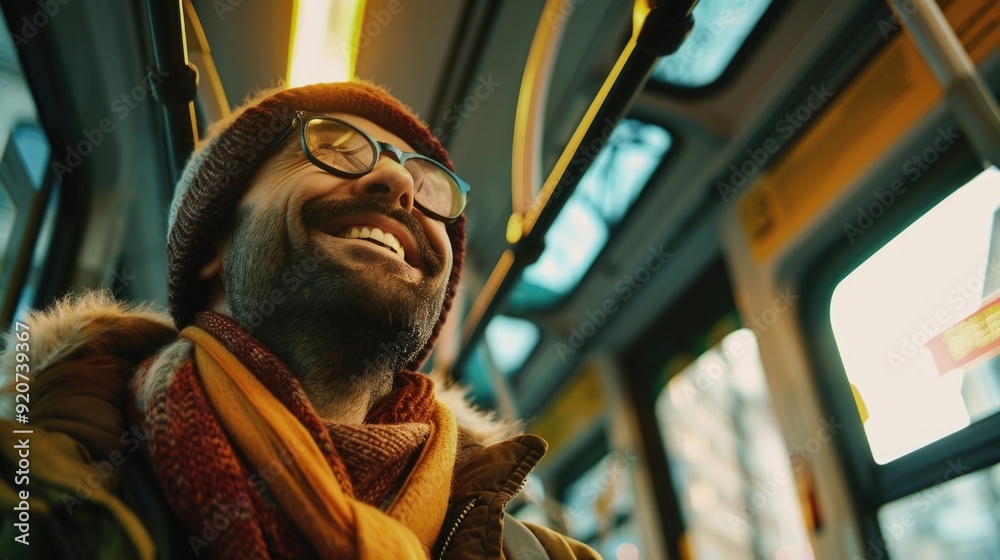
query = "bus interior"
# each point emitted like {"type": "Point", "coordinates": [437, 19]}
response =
{"type": "Point", "coordinates": [722, 254]}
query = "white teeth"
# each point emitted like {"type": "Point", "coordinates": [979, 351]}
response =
{"type": "Point", "coordinates": [377, 234]}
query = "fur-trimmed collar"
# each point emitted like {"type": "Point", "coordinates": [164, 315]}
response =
{"type": "Point", "coordinates": [84, 321]}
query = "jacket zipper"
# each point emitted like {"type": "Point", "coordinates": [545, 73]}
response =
{"type": "Point", "coordinates": [520, 487]}
{"type": "Point", "coordinates": [465, 512]}
{"type": "Point", "coordinates": [451, 533]}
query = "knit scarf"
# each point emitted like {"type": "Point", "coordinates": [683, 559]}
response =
{"type": "Point", "coordinates": [253, 472]}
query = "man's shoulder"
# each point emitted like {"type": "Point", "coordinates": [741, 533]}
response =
{"type": "Point", "coordinates": [86, 324]}
{"type": "Point", "coordinates": [82, 352]}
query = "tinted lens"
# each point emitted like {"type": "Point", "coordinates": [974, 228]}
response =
{"type": "Point", "coordinates": [435, 188]}
{"type": "Point", "coordinates": [339, 145]}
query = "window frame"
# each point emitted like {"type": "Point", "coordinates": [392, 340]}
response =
{"type": "Point", "coordinates": [685, 323]}
{"type": "Point", "coordinates": [42, 68]}
{"type": "Point", "coordinates": [977, 445]}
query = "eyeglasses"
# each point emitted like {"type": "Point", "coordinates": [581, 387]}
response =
{"type": "Point", "coordinates": [342, 149]}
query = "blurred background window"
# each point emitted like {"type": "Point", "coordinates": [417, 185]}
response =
{"type": "Point", "coordinates": [728, 461]}
{"type": "Point", "coordinates": [508, 344]}
{"type": "Point", "coordinates": [598, 507]}
{"type": "Point", "coordinates": [25, 207]}
{"type": "Point", "coordinates": [959, 519]}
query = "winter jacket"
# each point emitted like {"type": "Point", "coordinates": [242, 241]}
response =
{"type": "Point", "coordinates": [92, 494]}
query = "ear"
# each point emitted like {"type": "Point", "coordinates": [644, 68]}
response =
{"type": "Point", "coordinates": [213, 268]}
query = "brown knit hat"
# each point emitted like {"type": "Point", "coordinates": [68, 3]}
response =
{"type": "Point", "coordinates": [220, 169]}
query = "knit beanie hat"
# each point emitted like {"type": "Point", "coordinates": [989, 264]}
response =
{"type": "Point", "coordinates": [223, 163]}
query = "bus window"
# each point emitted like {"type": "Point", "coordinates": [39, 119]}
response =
{"type": "Point", "coordinates": [720, 29]}
{"type": "Point", "coordinates": [599, 203]}
{"type": "Point", "coordinates": [917, 326]}
{"type": "Point", "coordinates": [728, 460]}
{"type": "Point", "coordinates": [957, 519]}
{"type": "Point", "coordinates": [599, 507]}
{"type": "Point", "coordinates": [24, 157]}
{"type": "Point", "coordinates": [508, 344]}
{"type": "Point", "coordinates": [511, 341]}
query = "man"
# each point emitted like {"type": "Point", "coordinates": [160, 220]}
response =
{"type": "Point", "coordinates": [315, 245]}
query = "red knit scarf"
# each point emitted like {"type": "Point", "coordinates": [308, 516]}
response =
{"type": "Point", "coordinates": [223, 503]}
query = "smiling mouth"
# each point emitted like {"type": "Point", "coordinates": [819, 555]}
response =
{"type": "Point", "coordinates": [375, 236]}
{"type": "Point", "coordinates": [393, 230]}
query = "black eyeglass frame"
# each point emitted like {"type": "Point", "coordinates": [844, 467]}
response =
{"type": "Point", "coordinates": [303, 117]}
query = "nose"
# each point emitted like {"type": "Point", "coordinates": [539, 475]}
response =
{"type": "Point", "coordinates": [389, 181]}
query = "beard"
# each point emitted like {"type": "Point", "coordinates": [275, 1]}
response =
{"type": "Point", "coordinates": [337, 325]}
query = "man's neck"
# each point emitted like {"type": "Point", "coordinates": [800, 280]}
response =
{"type": "Point", "coordinates": [346, 403]}
{"type": "Point", "coordinates": [340, 384]}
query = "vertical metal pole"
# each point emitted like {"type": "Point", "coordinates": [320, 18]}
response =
{"type": "Point", "coordinates": [177, 80]}
{"type": "Point", "coordinates": [970, 101]}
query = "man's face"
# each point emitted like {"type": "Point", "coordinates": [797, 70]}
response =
{"type": "Point", "coordinates": [291, 261]}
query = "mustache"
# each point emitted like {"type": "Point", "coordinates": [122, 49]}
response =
{"type": "Point", "coordinates": [316, 213]}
